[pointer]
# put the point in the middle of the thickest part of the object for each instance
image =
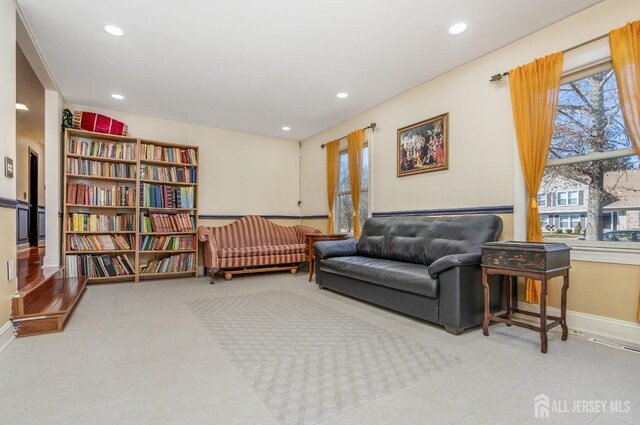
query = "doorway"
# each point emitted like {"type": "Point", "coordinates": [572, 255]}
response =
{"type": "Point", "coordinates": [33, 198]}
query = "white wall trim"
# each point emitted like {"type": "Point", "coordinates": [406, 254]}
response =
{"type": "Point", "coordinates": [50, 261]}
{"type": "Point", "coordinates": [6, 335]}
{"type": "Point", "coordinates": [605, 255]}
{"type": "Point", "coordinates": [592, 324]}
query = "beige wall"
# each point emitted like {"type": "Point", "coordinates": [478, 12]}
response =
{"type": "Point", "coordinates": [24, 141]}
{"type": "Point", "coordinates": [481, 157]}
{"type": "Point", "coordinates": [7, 148]}
{"type": "Point", "coordinates": [240, 173]}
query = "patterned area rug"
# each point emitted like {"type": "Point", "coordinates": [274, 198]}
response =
{"type": "Point", "coordinates": [308, 362]}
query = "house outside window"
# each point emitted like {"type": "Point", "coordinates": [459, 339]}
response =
{"type": "Point", "coordinates": [344, 205]}
{"type": "Point", "coordinates": [592, 167]}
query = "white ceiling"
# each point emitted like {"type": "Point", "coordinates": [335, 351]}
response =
{"type": "Point", "coordinates": [258, 65]}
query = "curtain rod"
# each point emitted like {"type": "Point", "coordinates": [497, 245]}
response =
{"type": "Point", "coordinates": [499, 77]}
{"type": "Point", "coordinates": [371, 126]}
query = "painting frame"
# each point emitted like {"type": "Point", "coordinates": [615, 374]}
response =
{"type": "Point", "coordinates": [432, 154]}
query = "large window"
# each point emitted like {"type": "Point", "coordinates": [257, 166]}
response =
{"type": "Point", "coordinates": [591, 162]}
{"type": "Point", "coordinates": [344, 205]}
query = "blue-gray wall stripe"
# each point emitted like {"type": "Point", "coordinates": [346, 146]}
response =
{"type": "Point", "coordinates": [501, 209]}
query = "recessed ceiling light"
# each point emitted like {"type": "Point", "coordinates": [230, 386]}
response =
{"type": "Point", "coordinates": [458, 28]}
{"type": "Point", "coordinates": [117, 96]}
{"type": "Point", "coordinates": [113, 30]}
{"type": "Point", "coordinates": [342, 95]}
{"type": "Point", "coordinates": [21, 106]}
{"type": "Point", "coordinates": [285, 128]}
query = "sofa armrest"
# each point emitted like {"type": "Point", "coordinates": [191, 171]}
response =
{"type": "Point", "coordinates": [303, 231]}
{"type": "Point", "coordinates": [456, 260]}
{"type": "Point", "coordinates": [210, 247]}
{"type": "Point", "coordinates": [341, 248]}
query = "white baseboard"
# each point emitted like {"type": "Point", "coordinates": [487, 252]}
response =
{"type": "Point", "coordinates": [6, 335]}
{"type": "Point", "coordinates": [49, 261]}
{"type": "Point", "coordinates": [201, 271]}
{"type": "Point", "coordinates": [592, 324]}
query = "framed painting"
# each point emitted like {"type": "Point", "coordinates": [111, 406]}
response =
{"type": "Point", "coordinates": [424, 146]}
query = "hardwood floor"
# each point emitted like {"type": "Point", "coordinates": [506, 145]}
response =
{"type": "Point", "coordinates": [29, 267]}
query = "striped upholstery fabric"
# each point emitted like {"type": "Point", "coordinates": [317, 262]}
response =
{"type": "Point", "coordinates": [253, 241]}
{"type": "Point", "coordinates": [261, 250]}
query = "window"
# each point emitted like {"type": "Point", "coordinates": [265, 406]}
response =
{"type": "Point", "coordinates": [542, 199]}
{"type": "Point", "coordinates": [562, 198]}
{"type": "Point", "coordinates": [591, 163]}
{"type": "Point", "coordinates": [344, 206]}
{"type": "Point", "coordinates": [569, 221]}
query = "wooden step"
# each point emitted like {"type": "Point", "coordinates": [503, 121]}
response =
{"type": "Point", "coordinates": [45, 307]}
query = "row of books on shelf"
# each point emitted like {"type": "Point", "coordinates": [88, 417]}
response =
{"type": "Point", "coordinates": [161, 153]}
{"type": "Point", "coordinates": [91, 168]}
{"type": "Point", "coordinates": [152, 222]}
{"type": "Point", "coordinates": [170, 264]}
{"type": "Point", "coordinates": [162, 196]}
{"type": "Point", "coordinates": [82, 194]}
{"type": "Point", "coordinates": [166, 243]}
{"type": "Point", "coordinates": [101, 148]}
{"type": "Point", "coordinates": [99, 242]}
{"type": "Point", "coordinates": [98, 265]}
{"type": "Point", "coordinates": [87, 222]}
{"type": "Point", "coordinates": [168, 174]}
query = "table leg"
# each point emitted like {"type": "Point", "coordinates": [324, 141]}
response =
{"type": "Point", "coordinates": [563, 308]}
{"type": "Point", "coordinates": [310, 255]}
{"type": "Point", "coordinates": [509, 298]}
{"type": "Point", "coordinates": [485, 288]}
{"type": "Point", "coordinates": [543, 315]}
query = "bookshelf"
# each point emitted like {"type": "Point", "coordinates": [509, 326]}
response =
{"type": "Point", "coordinates": [131, 207]}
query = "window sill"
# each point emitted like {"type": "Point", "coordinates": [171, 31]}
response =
{"type": "Point", "coordinates": [600, 254]}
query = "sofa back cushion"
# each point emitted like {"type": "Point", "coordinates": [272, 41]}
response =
{"type": "Point", "coordinates": [422, 240]}
{"type": "Point", "coordinates": [251, 231]}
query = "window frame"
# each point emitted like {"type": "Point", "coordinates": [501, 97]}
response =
{"type": "Point", "coordinates": [588, 60]}
{"type": "Point", "coordinates": [542, 199]}
{"type": "Point", "coordinates": [336, 218]}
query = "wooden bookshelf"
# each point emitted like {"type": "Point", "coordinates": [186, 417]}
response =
{"type": "Point", "coordinates": [138, 257]}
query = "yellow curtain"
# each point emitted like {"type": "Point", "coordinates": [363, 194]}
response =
{"type": "Point", "coordinates": [333, 158]}
{"type": "Point", "coordinates": [534, 99]}
{"type": "Point", "coordinates": [625, 55]}
{"type": "Point", "coordinates": [355, 144]}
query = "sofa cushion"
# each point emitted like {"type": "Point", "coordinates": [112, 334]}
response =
{"type": "Point", "coordinates": [408, 277]}
{"type": "Point", "coordinates": [422, 240]}
{"type": "Point", "coordinates": [253, 251]}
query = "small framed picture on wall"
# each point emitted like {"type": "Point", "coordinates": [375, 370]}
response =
{"type": "Point", "coordinates": [424, 146]}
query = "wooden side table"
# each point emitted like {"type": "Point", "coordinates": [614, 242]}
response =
{"type": "Point", "coordinates": [538, 261]}
{"type": "Point", "coordinates": [315, 237]}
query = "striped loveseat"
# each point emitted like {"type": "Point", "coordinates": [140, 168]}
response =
{"type": "Point", "coordinates": [253, 244]}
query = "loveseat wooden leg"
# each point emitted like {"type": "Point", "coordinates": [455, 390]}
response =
{"type": "Point", "coordinates": [228, 276]}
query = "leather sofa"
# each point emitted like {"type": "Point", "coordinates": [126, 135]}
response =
{"type": "Point", "coordinates": [426, 267]}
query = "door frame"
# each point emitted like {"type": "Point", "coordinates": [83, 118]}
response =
{"type": "Point", "coordinates": [33, 198]}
